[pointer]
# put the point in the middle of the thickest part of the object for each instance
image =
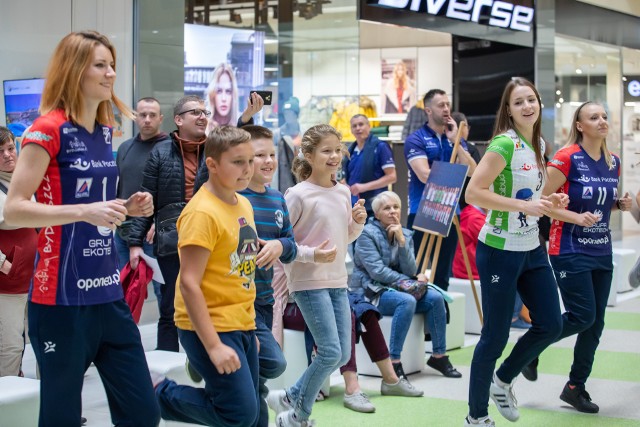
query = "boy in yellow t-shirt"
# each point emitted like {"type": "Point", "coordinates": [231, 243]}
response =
{"type": "Point", "coordinates": [215, 291]}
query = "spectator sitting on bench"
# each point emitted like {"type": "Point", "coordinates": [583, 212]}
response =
{"type": "Point", "coordinates": [384, 254]}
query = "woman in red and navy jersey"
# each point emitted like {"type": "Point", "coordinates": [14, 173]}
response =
{"type": "Point", "coordinates": [77, 314]}
{"type": "Point", "coordinates": [580, 240]}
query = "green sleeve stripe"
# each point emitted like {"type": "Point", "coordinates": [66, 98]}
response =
{"type": "Point", "coordinates": [502, 145]}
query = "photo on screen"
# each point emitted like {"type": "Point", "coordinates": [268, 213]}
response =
{"type": "Point", "coordinates": [223, 65]}
{"type": "Point", "coordinates": [21, 103]}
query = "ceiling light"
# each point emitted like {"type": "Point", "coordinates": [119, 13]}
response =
{"type": "Point", "coordinates": [578, 71]}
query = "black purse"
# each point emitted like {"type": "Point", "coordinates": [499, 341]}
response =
{"type": "Point", "coordinates": [166, 230]}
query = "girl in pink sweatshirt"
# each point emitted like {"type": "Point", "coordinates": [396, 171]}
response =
{"type": "Point", "coordinates": [322, 217]}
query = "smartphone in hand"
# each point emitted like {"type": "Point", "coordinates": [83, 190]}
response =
{"type": "Point", "coordinates": [266, 95]}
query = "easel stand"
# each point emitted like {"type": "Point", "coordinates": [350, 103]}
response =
{"type": "Point", "coordinates": [432, 239]}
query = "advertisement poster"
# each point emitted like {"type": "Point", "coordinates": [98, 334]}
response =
{"type": "Point", "coordinates": [21, 103]}
{"type": "Point", "coordinates": [223, 65]}
{"type": "Point", "coordinates": [398, 85]}
{"type": "Point", "coordinates": [440, 198]}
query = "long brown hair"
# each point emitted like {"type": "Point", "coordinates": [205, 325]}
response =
{"type": "Point", "coordinates": [575, 136]}
{"type": "Point", "coordinates": [62, 90]}
{"type": "Point", "coordinates": [504, 121]}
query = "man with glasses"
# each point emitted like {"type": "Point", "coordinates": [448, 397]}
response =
{"type": "Point", "coordinates": [131, 154]}
{"type": "Point", "coordinates": [169, 175]}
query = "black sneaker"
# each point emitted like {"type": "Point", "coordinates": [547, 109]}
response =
{"type": "Point", "coordinates": [530, 371]}
{"type": "Point", "coordinates": [397, 367]}
{"type": "Point", "coordinates": [442, 365]}
{"type": "Point", "coordinates": [578, 397]}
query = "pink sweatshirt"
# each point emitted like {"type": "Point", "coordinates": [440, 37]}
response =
{"type": "Point", "coordinates": [317, 214]}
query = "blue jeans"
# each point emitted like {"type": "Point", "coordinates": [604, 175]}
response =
{"type": "Point", "coordinates": [328, 316]}
{"type": "Point", "coordinates": [585, 282]}
{"type": "Point", "coordinates": [67, 339]}
{"type": "Point", "coordinates": [402, 307]}
{"type": "Point", "coordinates": [271, 359]}
{"type": "Point", "coordinates": [502, 274]}
{"type": "Point", "coordinates": [226, 399]}
{"type": "Point", "coordinates": [123, 258]}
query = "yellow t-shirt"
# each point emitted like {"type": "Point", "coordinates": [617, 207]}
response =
{"type": "Point", "coordinates": [228, 231]}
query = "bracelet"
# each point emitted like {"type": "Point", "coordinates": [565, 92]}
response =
{"type": "Point", "coordinates": [618, 205]}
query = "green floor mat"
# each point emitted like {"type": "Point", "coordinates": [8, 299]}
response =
{"type": "Point", "coordinates": [609, 365]}
{"type": "Point", "coordinates": [422, 411]}
{"type": "Point", "coordinates": [622, 321]}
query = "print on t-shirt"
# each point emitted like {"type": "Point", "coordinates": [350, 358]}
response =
{"type": "Point", "coordinates": [243, 260]}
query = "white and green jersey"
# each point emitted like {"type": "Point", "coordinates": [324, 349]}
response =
{"type": "Point", "coordinates": [520, 179]}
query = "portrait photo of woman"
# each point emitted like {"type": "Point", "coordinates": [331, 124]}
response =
{"type": "Point", "coordinates": [398, 87]}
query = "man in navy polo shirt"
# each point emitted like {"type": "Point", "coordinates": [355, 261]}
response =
{"type": "Point", "coordinates": [370, 167]}
{"type": "Point", "coordinates": [434, 141]}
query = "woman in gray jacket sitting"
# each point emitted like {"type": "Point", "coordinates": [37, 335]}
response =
{"type": "Point", "coordinates": [384, 255]}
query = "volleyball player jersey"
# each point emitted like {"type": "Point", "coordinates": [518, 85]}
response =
{"type": "Point", "coordinates": [521, 179]}
{"type": "Point", "coordinates": [591, 187]}
{"type": "Point", "coordinates": [76, 263]}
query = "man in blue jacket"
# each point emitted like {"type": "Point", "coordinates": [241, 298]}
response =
{"type": "Point", "coordinates": [370, 167]}
{"type": "Point", "coordinates": [434, 141]}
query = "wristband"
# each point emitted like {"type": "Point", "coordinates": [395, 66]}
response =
{"type": "Point", "coordinates": [3, 258]}
{"type": "Point", "coordinates": [618, 205]}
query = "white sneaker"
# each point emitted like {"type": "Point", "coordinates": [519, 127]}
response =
{"type": "Point", "coordinates": [278, 401]}
{"type": "Point", "coordinates": [484, 421]}
{"type": "Point", "coordinates": [288, 419]}
{"type": "Point", "coordinates": [402, 388]}
{"type": "Point", "coordinates": [504, 399]}
{"type": "Point", "coordinates": [358, 402]}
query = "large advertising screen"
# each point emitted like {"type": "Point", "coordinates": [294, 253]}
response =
{"type": "Point", "coordinates": [223, 65]}
{"type": "Point", "coordinates": [21, 103]}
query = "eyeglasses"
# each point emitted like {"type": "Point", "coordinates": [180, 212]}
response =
{"type": "Point", "coordinates": [196, 112]}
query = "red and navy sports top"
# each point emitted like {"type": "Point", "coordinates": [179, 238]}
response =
{"type": "Point", "coordinates": [591, 187]}
{"type": "Point", "coordinates": [76, 263]}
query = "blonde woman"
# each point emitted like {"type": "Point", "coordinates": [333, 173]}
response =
{"type": "Point", "coordinates": [399, 91]}
{"type": "Point", "coordinates": [222, 99]}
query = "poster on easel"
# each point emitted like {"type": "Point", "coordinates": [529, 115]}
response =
{"type": "Point", "coordinates": [440, 198]}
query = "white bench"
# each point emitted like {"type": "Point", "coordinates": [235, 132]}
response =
{"type": "Point", "coordinates": [412, 351]}
{"type": "Point", "coordinates": [296, 356]}
{"type": "Point", "coordinates": [19, 402]}
{"type": "Point", "coordinates": [472, 320]}
{"type": "Point", "coordinates": [624, 260]}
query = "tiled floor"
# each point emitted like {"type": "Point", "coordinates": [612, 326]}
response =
{"type": "Point", "coordinates": [543, 395]}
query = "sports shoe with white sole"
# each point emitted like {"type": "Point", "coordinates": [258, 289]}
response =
{"type": "Point", "coordinates": [288, 419]}
{"type": "Point", "coordinates": [484, 421]}
{"type": "Point", "coordinates": [504, 399]}
{"type": "Point", "coordinates": [278, 401]}
{"type": "Point", "coordinates": [402, 388]}
{"type": "Point", "coordinates": [358, 402]}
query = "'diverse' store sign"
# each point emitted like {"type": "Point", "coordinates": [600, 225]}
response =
{"type": "Point", "coordinates": [506, 21]}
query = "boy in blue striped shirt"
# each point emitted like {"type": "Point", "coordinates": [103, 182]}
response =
{"type": "Point", "coordinates": [275, 235]}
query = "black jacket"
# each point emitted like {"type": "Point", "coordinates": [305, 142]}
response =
{"type": "Point", "coordinates": [163, 177]}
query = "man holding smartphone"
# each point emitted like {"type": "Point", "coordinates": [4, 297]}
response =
{"type": "Point", "coordinates": [434, 141]}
